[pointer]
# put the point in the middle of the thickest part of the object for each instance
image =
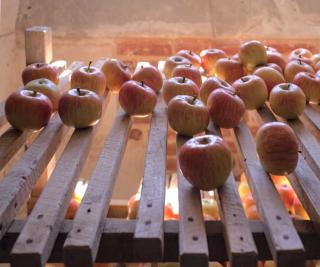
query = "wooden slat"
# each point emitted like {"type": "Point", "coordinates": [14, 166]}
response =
{"type": "Point", "coordinates": [238, 237]}
{"type": "Point", "coordinates": [283, 240]}
{"type": "Point", "coordinates": [18, 183]}
{"type": "Point", "coordinates": [149, 227]}
{"type": "Point", "coordinates": [82, 244]}
{"type": "Point", "coordinates": [3, 119]}
{"type": "Point", "coordinates": [312, 112]}
{"type": "Point", "coordinates": [117, 241]}
{"type": "Point", "coordinates": [193, 245]}
{"type": "Point", "coordinates": [303, 180]}
{"type": "Point", "coordinates": [35, 243]}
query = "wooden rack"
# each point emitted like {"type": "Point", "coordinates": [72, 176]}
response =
{"type": "Point", "coordinates": [46, 237]}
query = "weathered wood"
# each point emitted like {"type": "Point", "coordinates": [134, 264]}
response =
{"type": "Point", "coordinates": [238, 237]}
{"type": "Point", "coordinates": [117, 241]}
{"type": "Point", "coordinates": [18, 183]}
{"type": "Point", "coordinates": [38, 44]}
{"type": "Point", "coordinates": [284, 242]}
{"type": "Point", "coordinates": [3, 119]}
{"type": "Point", "coordinates": [303, 180]}
{"type": "Point", "coordinates": [82, 244]}
{"type": "Point", "coordinates": [149, 227]}
{"type": "Point", "coordinates": [312, 112]}
{"type": "Point", "coordinates": [193, 245]}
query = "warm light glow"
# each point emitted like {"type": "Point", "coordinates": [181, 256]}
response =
{"type": "Point", "coordinates": [172, 198]}
{"type": "Point", "coordinates": [79, 191]}
{"type": "Point", "coordinates": [211, 193]}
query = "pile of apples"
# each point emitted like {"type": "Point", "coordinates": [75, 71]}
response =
{"type": "Point", "coordinates": [286, 192]}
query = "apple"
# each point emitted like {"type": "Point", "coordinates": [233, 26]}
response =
{"type": "Point", "coordinates": [315, 58]}
{"type": "Point", "coordinates": [209, 58]}
{"type": "Point", "coordinates": [210, 207]}
{"type": "Point", "coordinates": [303, 52]}
{"type": "Point", "coordinates": [294, 67]}
{"type": "Point", "coordinates": [150, 76]}
{"type": "Point", "coordinates": [40, 70]}
{"type": "Point", "coordinates": [205, 162]}
{"type": "Point", "coordinates": [187, 115]}
{"type": "Point", "coordinates": [46, 87]}
{"type": "Point", "coordinates": [310, 85]}
{"type": "Point", "coordinates": [276, 58]}
{"type": "Point", "coordinates": [116, 74]}
{"type": "Point", "coordinates": [277, 147]}
{"type": "Point", "coordinates": [252, 54]}
{"type": "Point", "coordinates": [287, 100]}
{"type": "Point", "coordinates": [80, 108]}
{"type": "Point", "coordinates": [236, 57]}
{"type": "Point", "coordinates": [287, 195]}
{"type": "Point", "coordinates": [133, 206]}
{"type": "Point", "coordinates": [252, 213]}
{"type": "Point", "coordinates": [136, 98]}
{"type": "Point", "coordinates": [170, 213]}
{"type": "Point", "coordinates": [299, 210]}
{"type": "Point", "coordinates": [172, 62]}
{"type": "Point", "coordinates": [28, 110]}
{"type": "Point", "coordinates": [244, 189]}
{"type": "Point", "coordinates": [90, 78]}
{"type": "Point", "coordinates": [188, 71]}
{"type": "Point", "coordinates": [279, 180]}
{"type": "Point", "coordinates": [317, 66]}
{"type": "Point", "coordinates": [252, 90]}
{"type": "Point", "coordinates": [72, 209]}
{"type": "Point", "coordinates": [229, 69]}
{"type": "Point", "coordinates": [303, 59]}
{"type": "Point", "coordinates": [179, 86]}
{"type": "Point", "coordinates": [248, 201]}
{"type": "Point", "coordinates": [212, 83]}
{"type": "Point", "coordinates": [270, 76]}
{"type": "Point", "coordinates": [270, 49]}
{"type": "Point", "coordinates": [192, 57]}
{"type": "Point", "coordinates": [226, 109]}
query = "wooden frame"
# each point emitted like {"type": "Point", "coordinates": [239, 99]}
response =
{"type": "Point", "coordinates": [46, 237]}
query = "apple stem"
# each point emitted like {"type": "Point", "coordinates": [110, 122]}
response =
{"type": "Point", "coordinates": [90, 62]}
{"type": "Point", "coordinates": [78, 91]}
{"type": "Point", "coordinates": [142, 83]}
{"type": "Point", "coordinates": [38, 65]}
{"type": "Point", "coordinates": [194, 100]}
{"type": "Point", "coordinates": [300, 62]}
{"type": "Point", "coordinates": [243, 79]}
{"type": "Point", "coordinates": [189, 65]}
{"type": "Point", "coordinates": [183, 79]}
{"type": "Point", "coordinates": [141, 66]}
{"type": "Point", "coordinates": [34, 93]}
{"type": "Point", "coordinates": [190, 52]}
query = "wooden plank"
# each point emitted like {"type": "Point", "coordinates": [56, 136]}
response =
{"type": "Point", "coordinates": [238, 237]}
{"type": "Point", "coordinates": [3, 119]}
{"type": "Point", "coordinates": [35, 242]}
{"type": "Point", "coordinates": [38, 44]}
{"type": "Point", "coordinates": [303, 180]}
{"type": "Point", "coordinates": [117, 241]}
{"type": "Point", "coordinates": [193, 245]}
{"type": "Point", "coordinates": [149, 227]}
{"type": "Point", "coordinates": [312, 112]}
{"type": "Point", "coordinates": [283, 240]}
{"type": "Point", "coordinates": [82, 244]}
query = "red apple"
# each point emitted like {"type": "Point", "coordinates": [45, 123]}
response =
{"type": "Point", "coordinates": [46, 87]}
{"type": "Point", "coordinates": [40, 70]}
{"type": "Point", "coordinates": [80, 108]}
{"type": "Point", "coordinates": [228, 69]}
{"type": "Point", "coordinates": [150, 76]}
{"type": "Point", "coordinates": [276, 58]}
{"type": "Point", "coordinates": [317, 66]}
{"type": "Point", "coordinates": [179, 86]}
{"type": "Point", "coordinates": [210, 85]}
{"type": "Point", "coordinates": [72, 209]}
{"type": "Point", "coordinates": [187, 115]}
{"type": "Point", "coordinates": [90, 78]}
{"type": "Point", "coordinates": [310, 85]}
{"type": "Point", "coordinates": [294, 67]}
{"type": "Point", "coordinates": [205, 162]}
{"type": "Point", "coordinates": [28, 110]}
{"type": "Point", "coordinates": [287, 196]}
{"type": "Point", "coordinates": [252, 54]}
{"type": "Point", "coordinates": [236, 57]}
{"type": "Point", "coordinates": [192, 57]}
{"type": "Point", "coordinates": [287, 100]}
{"type": "Point", "coordinates": [226, 109]}
{"type": "Point", "coordinates": [303, 59]}
{"type": "Point", "coordinates": [270, 76]}
{"type": "Point", "coordinates": [299, 210]}
{"type": "Point", "coordinates": [209, 58]}
{"type": "Point", "coordinates": [277, 147]}
{"type": "Point", "coordinates": [300, 52]}
{"type": "Point", "coordinates": [315, 58]}
{"type": "Point", "coordinates": [136, 98]}
{"type": "Point", "coordinates": [116, 74]}
{"type": "Point", "coordinates": [188, 71]}
{"type": "Point", "coordinates": [172, 62]}
{"type": "Point", "coordinates": [252, 90]}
